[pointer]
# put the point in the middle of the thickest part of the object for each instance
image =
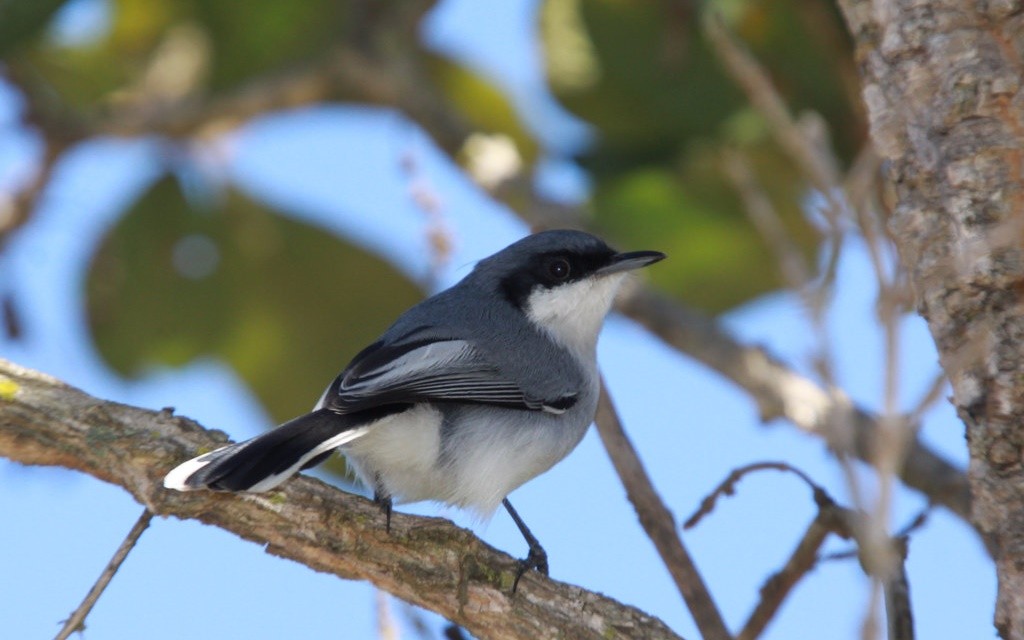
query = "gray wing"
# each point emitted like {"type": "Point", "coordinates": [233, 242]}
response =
{"type": "Point", "coordinates": [422, 367]}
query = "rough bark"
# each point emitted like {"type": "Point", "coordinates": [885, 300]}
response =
{"type": "Point", "coordinates": [942, 83]}
{"type": "Point", "coordinates": [426, 561]}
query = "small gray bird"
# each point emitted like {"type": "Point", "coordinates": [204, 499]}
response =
{"type": "Point", "coordinates": [467, 396]}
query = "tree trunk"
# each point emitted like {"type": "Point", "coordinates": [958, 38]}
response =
{"type": "Point", "coordinates": [942, 83]}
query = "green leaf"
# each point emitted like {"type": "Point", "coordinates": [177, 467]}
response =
{"type": "Point", "coordinates": [692, 213]}
{"type": "Point", "coordinates": [23, 20]}
{"type": "Point", "coordinates": [664, 108]}
{"type": "Point", "coordinates": [286, 304]}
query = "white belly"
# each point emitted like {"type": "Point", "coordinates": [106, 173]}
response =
{"type": "Point", "coordinates": [467, 456]}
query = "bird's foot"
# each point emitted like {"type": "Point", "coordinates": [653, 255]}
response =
{"type": "Point", "coordinates": [385, 504]}
{"type": "Point", "coordinates": [537, 559]}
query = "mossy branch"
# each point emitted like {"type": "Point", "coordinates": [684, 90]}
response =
{"type": "Point", "coordinates": [428, 562]}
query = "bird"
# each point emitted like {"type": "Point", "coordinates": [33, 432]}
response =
{"type": "Point", "coordinates": [465, 397]}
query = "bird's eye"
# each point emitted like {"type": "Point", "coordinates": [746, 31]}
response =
{"type": "Point", "coordinates": [559, 268]}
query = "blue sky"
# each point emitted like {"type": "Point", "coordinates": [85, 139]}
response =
{"type": "Point", "coordinates": [690, 426]}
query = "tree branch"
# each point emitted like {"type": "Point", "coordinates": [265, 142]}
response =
{"type": "Point", "coordinates": [426, 561]}
{"type": "Point", "coordinates": [658, 522]}
{"type": "Point", "coordinates": [781, 392]}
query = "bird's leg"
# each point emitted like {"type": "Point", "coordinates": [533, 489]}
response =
{"type": "Point", "coordinates": [537, 558]}
{"type": "Point", "coordinates": [383, 501]}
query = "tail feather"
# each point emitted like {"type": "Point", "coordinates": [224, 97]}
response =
{"type": "Point", "coordinates": [262, 463]}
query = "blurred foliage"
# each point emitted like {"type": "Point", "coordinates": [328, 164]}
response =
{"type": "Point", "coordinates": [239, 41]}
{"type": "Point", "coordinates": [220, 274]}
{"type": "Point", "coordinates": [643, 75]}
{"type": "Point", "coordinates": [284, 303]}
{"type": "Point", "coordinates": [22, 20]}
{"type": "Point", "coordinates": [482, 104]}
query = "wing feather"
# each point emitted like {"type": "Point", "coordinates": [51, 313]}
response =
{"type": "Point", "coordinates": [420, 367]}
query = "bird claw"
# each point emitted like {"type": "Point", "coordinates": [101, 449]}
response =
{"type": "Point", "coordinates": [537, 559]}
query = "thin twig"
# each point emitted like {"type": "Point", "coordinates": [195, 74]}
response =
{"type": "Point", "coordinates": [658, 521]}
{"type": "Point", "coordinates": [76, 621]}
{"type": "Point", "coordinates": [414, 617]}
{"type": "Point", "coordinates": [931, 395]}
{"type": "Point", "coordinates": [766, 220]}
{"type": "Point", "coordinates": [780, 392]}
{"type": "Point", "coordinates": [898, 612]}
{"type": "Point", "coordinates": [386, 627]}
{"type": "Point", "coordinates": [728, 487]}
{"type": "Point", "coordinates": [807, 153]}
{"type": "Point", "coordinates": [779, 585]}
{"type": "Point", "coordinates": [755, 82]}
{"type": "Point", "coordinates": [889, 576]}
{"type": "Point", "coordinates": [915, 523]}
{"type": "Point", "coordinates": [25, 201]}
{"type": "Point", "coordinates": [883, 562]}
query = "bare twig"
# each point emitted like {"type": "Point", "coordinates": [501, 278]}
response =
{"type": "Point", "coordinates": [831, 518]}
{"type": "Point", "coordinates": [728, 487]}
{"type": "Point", "coordinates": [58, 129]}
{"type": "Point", "coordinates": [898, 612]}
{"type": "Point", "coordinates": [931, 395]}
{"type": "Point", "coordinates": [76, 621]}
{"type": "Point", "coordinates": [414, 618]}
{"type": "Point", "coordinates": [780, 392]}
{"type": "Point", "coordinates": [805, 145]}
{"type": "Point", "coordinates": [882, 562]}
{"type": "Point", "coordinates": [763, 216]}
{"type": "Point", "coordinates": [16, 211]}
{"type": "Point", "coordinates": [779, 585]}
{"type": "Point", "coordinates": [386, 627]}
{"type": "Point", "coordinates": [889, 447]}
{"type": "Point", "coordinates": [658, 521]}
{"type": "Point", "coordinates": [754, 81]}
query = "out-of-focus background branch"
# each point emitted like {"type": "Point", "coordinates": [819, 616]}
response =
{"type": "Point", "coordinates": [202, 202]}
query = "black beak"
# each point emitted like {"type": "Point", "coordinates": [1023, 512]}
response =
{"type": "Point", "coordinates": [629, 261]}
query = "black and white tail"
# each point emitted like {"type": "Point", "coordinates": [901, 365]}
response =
{"type": "Point", "coordinates": [262, 463]}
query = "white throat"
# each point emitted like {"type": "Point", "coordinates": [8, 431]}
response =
{"type": "Point", "coordinates": [573, 313]}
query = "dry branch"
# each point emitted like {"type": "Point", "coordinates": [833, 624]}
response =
{"type": "Point", "coordinates": [76, 621]}
{"type": "Point", "coordinates": [781, 392]}
{"type": "Point", "coordinates": [426, 561]}
{"type": "Point", "coordinates": [779, 585]}
{"type": "Point", "coordinates": [884, 562]}
{"type": "Point", "coordinates": [658, 522]}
